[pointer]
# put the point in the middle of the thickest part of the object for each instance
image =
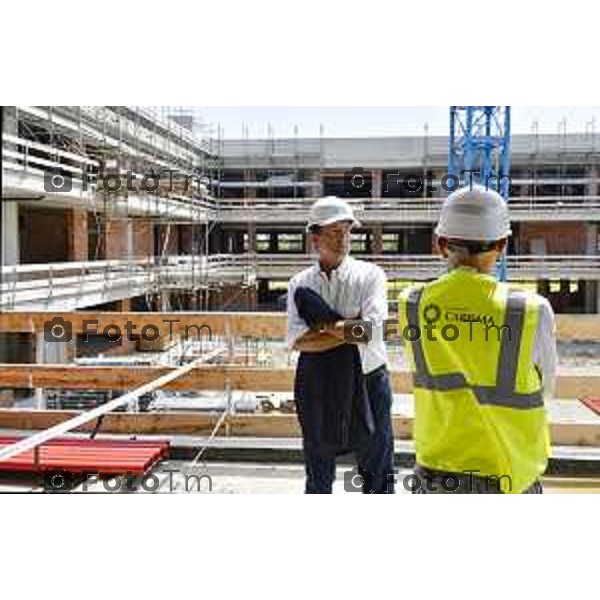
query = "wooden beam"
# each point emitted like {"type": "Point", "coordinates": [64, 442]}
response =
{"type": "Point", "coordinates": [256, 325]}
{"type": "Point", "coordinates": [214, 377]}
{"type": "Point", "coordinates": [185, 423]}
{"type": "Point", "coordinates": [583, 382]}
{"type": "Point", "coordinates": [575, 434]}
{"type": "Point", "coordinates": [578, 327]}
{"type": "Point", "coordinates": [270, 425]}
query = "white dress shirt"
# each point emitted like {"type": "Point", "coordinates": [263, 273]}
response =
{"type": "Point", "coordinates": [355, 288]}
{"type": "Point", "coordinates": [544, 347]}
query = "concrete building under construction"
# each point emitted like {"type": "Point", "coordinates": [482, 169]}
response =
{"type": "Point", "coordinates": [118, 212]}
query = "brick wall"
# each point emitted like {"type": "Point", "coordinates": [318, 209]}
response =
{"type": "Point", "coordinates": [77, 225]}
{"type": "Point", "coordinates": [142, 239]}
{"type": "Point", "coordinates": [559, 238]}
{"type": "Point", "coordinates": [115, 238]}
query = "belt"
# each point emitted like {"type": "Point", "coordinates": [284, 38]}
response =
{"type": "Point", "coordinates": [378, 370]}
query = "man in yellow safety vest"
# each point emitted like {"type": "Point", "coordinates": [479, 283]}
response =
{"type": "Point", "coordinates": [483, 356]}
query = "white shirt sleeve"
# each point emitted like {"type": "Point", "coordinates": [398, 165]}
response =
{"type": "Point", "coordinates": [295, 325]}
{"type": "Point", "coordinates": [544, 347]}
{"type": "Point", "coordinates": [374, 306]}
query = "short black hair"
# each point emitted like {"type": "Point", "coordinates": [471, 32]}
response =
{"type": "Point", "coordinates": [314, 229]}
{"type": "Point", "coordinates": [473, 247]}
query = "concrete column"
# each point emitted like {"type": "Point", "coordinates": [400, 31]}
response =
{"type": "Point", "coordinates": [313, 192]}
{"type": "Point", "coordinates": [592, 289]}
{"type": "Point", "coordinates": [252, 238]}
{"type": "Point", "coordinates": [250, 198]}
{"type": "Point", "coordinates": [377, 239]}
{"type": "Point", "coordinates": [250, 192]}
{"type": "Point", "coordinates": [9, 252]}
{"type": "Point", "coordinates": [10, 122]}
{"type": "Point", "coordinates": [592, 186]}
{"type": "Point", "coordinates": [10, 233]}
{"type": "Point", "coordinates": [308, 247]}
{"type": "Point", "coordinates": [439, 174]}
{"type": "Point", "coordinates": [377, 183]}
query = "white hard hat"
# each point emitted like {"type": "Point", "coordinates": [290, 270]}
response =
{"type": "Point", "coordinates": [328, 210]}
{"type": "Point", "coordinates": [474, 213]}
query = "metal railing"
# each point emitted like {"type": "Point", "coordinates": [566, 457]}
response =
{"type": "Point", "coordinates": [423, 267]}
{"type": "Point", "coordinates": [83, 180]}
{"type": "Point", "coordinates": [70, 285]}
{"type": "Point", "coordinates": [79, 284]}
{"type": "Point", "coordinates": [402, 210]}
{"type": "Point", "coordinates": [29, 157]}
{"type": "Point", "coordinates": [73, 284]}
{"type": "Point", "coordinates": [23, 155]}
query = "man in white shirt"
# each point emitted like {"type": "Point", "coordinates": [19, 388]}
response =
{"type": "Point", "coordinates": [351, 288]}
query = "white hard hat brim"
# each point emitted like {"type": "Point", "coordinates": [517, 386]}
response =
{"type": "Point", "coordinates": [337, 219]}
{"type": "Point", "coordinates": [468, 232]}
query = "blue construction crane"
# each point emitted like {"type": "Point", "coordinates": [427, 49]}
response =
{"type": "Point", "coordinates": [479, 150]}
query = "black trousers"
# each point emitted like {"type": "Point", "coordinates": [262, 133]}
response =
{"type": "Point", "coordinates": [375, 462]}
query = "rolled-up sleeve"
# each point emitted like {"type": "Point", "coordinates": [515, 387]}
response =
{"type": "Point", "coordinates": [296, 326]}
{"type": "Point", "coordinates": [544, 347]}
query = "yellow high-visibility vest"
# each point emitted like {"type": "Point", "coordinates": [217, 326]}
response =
{"type": "Point", "coordinates": [478, 396]}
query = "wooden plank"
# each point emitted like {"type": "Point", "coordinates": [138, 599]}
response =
{"type": "Point", "coordinates": [128, 377]}
{"type": "Point", "coordinates": [575, 434]}
{"type": "Point", "coordinates": [578, 327]}
{"type": "Point", "coordinates": [257, 325]}
{"type": "Point", "coordinates": [215, 377]}
{"type": "Point", "coordinates": [270, 425]}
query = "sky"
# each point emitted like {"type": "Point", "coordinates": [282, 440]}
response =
{"type": "Point", "coordinates": [362, 121]}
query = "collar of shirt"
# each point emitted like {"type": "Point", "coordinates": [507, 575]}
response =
{"type": "Point", "coordinates": [340, 273]}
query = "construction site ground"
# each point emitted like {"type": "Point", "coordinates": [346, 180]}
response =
{"type": "Point", "coordinates": [239, 465]}
{"type": "Point", "coordinates": [261, 478]}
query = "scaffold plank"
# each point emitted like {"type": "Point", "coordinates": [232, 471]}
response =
{"type": "Point", "coordinates": [582, 382]}
{"type": "Point", "coordinates": [259, 425]}
{"type": "Point", "coordinates": [270, 325]}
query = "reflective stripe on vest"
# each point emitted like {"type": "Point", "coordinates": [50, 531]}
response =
{"type": "Point", "coordinates": [504, 392]}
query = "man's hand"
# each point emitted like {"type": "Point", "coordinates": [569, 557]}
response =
{"type": "Point", "coordinates": [330, 336]}
{"type": "Point", "coordinates": [319, 341]}
{"type": "Point", "coordinates": [335, 329]}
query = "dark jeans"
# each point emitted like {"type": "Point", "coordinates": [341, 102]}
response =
{"type": "Point", "coordinates": [376, 461]}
